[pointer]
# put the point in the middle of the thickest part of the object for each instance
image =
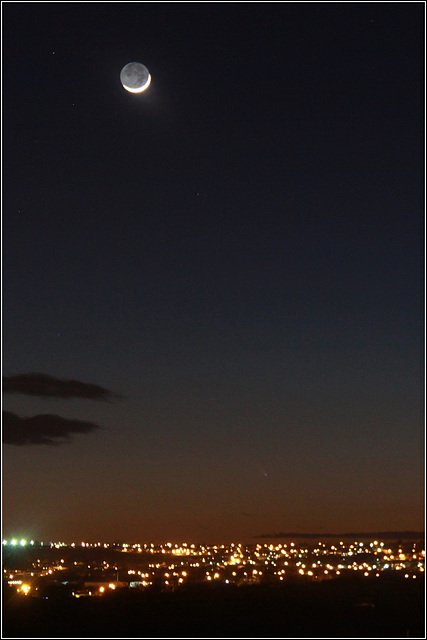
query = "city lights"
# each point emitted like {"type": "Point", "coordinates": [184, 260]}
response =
{"type": "Point", "coordinates": [171, 566]}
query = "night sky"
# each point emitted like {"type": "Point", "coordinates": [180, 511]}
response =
{"type": "Point", "coordinates": [214, 289]}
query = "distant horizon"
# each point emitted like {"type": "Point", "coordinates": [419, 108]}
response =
{"type": "Point", "coordinates": [404, 534]}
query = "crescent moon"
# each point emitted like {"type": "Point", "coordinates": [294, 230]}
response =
{"type": "Point", "coordinates": [135, 77]}
{"type": "Point", "coordinates": [143, 88]}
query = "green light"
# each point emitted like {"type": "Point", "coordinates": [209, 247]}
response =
{"type": "Point", "coordinates": [4, 541]}
{"type": "Point", "coordinates": [23, 543]}
{"type": "Point", "coordinates": [13, 542]}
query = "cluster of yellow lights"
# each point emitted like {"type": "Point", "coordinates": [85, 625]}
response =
{"type": "Point", "coordinates": [24, 589]}
{"type": "Point", "coordinates": [216, 559]}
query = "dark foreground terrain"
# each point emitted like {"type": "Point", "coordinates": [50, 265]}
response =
{"type": "Point", "coordinates": [385, 607]}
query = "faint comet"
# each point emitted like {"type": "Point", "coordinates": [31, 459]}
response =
{"type": "Point", "coordinates": [261, 468]}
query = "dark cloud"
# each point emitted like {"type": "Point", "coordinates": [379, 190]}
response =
{"type": "Point", "coordinates": [41, 429]}
{"type": "Point", "coordinates": [40, 384]}
{"type": "Point", "coordinates": [354, 535]}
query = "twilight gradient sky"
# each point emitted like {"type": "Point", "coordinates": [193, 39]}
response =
{"type": "Point", "coordinates": [238, 253]}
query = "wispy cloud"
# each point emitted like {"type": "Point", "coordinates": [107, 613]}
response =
{"type": "Point", "coordinates": [42, 429]}
{"type": "Point", "coordinates": [40, 384]}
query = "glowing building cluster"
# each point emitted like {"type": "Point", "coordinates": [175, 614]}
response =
{"type": "Point", "coordinates": [170, 566]}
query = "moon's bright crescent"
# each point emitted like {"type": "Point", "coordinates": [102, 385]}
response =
{"type": "Point", "coordinates": [143, 88]}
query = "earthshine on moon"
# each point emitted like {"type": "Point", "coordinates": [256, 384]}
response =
{"type": "Point", "coordinates": [135, 77]}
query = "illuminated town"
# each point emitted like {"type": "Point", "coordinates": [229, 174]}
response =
{"type": "Point", "coordinates": [96, 568]}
